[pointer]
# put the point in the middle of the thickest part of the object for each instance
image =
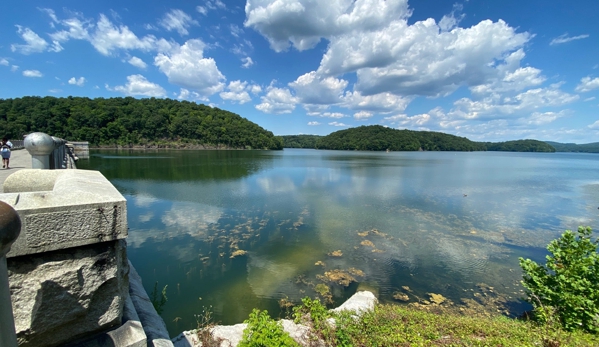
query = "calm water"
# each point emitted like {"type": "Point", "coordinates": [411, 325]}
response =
{"type": "Point", "coordinates": [436, 222]}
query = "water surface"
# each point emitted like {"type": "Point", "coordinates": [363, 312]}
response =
{"type": "Point", "coordinates": [452, 223]}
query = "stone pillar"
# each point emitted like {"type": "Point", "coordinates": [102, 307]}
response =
{"type": "Point", "coordinates": [10, 226]}
{"type": "Point", "coordinates": [40, 146]}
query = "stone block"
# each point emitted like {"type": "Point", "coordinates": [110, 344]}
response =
{"type": "Point", "coordinates": [65, 295]}
{"type": "Point", "coordinates": [67, 208]}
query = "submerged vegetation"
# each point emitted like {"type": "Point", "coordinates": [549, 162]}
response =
{"type": "Point", "coordinates": [380, 138]}
{"type": "Point", "coordinates": [133, 122]}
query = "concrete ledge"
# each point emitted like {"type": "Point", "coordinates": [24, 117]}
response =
{"type": "Point", "coordinates": [74, 208]}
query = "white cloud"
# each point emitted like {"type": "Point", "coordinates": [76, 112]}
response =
{"type": "Point", "coordinates": [177, 20]}
{"type": "Point", "coordinates": [201, 9]}
{"type": "Point", "coordinates": [237, 91]}
{"type": "Point", "coordinates": [235, 30]}
{"type": "Point", "coordinates": [77, 81]}
{"type": "Point", "coordinates": [305, 22]}
{"type": "Point", "coordinates": [564, 38]}
{"type": "Point", "coordinates": [54, 91]}
{"type": "Point", "coordinates": [337, 124]}
{"type": "Point", "coordinates": [33, 43]}
{"type": "Point", "coordinates": [32, 73]}
{"type": "Point", "coordinates": [402, 120]}
{"type": "Point", "coordinates": [137, 62]}
{"type": "Point", "coordinates": [3, 62]}
{"type": "Point", "coordinates": [587, 84]}
{"type": "Point", "coordinates": [277, 101]}
{"type": "Point", "coordinates": [139, 85]}
{"type": "Point", "coordinates": [313, 123]}
{"type": "Point", "coordinates": [594, 125]}
{"type": "Point", "coordinates": [107, 37]}
{"type": "Point", "coordinates": [311, 88]}
{"type": "Point", "coordinates": [383, 102]}
{"type": "Point", "coordinates": [247, 62]}
{"type": "Point", "coordinates": [255, 89]}
{"type": "Point", "coordinates": [185, 94]}
{"type": "Point", "coordinates": [362, 115]}
{"type": "Point", "coordinates": [541, 118]}
{"type": "Point", "coordinates": [328, 114]}
{"type": "Point", "coordinates": [589, 99]}
{"type": "Point", "coordinates": [186, 66]}
{"type": "Point", "coordinates": [14, 68]}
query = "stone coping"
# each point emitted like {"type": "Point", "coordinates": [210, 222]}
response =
{"type": "Point", "coordinates": [64, 208]}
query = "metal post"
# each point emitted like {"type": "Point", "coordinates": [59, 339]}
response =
{"type": "Point", "coordinates": [40, 146]}
{"type": "Point", "coordinates": [10, 227]}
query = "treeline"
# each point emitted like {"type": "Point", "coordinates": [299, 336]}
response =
{"type": "Point", "coordinates": [379, 138]}
{"type": "Point", "coordinates": [130, 122]}
{"type": "Point", "coordinates": [573, 147]}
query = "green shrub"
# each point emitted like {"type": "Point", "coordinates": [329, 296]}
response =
{"type": "Point", "coordinates": [567, 287]}
{"type": "Point", "coordinates": [263, 331]}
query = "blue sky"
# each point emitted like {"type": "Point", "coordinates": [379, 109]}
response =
{"type": "Point", "coordinates": [487, 70]}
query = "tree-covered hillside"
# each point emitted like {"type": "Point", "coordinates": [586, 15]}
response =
{"type": "Point", "coordinates": [379, 138]}
{"type": "Point", "coordinates": [129, 121]}
{"type": "Point", "coordinates": [573, 147]}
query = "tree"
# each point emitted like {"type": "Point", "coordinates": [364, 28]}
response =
{"type": "Point", "coordinates": [567, 286]}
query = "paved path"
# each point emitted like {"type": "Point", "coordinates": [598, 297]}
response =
{"type": "Point", "coordinates": [19, 159]}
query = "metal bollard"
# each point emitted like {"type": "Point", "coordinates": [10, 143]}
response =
{"type": "Point", "coordinates": [40, 146]}
{"type": "Point", "coordinates": [10, 227]}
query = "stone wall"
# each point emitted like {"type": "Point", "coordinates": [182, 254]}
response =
{"type": "Point", "coordinates": [68, 270]}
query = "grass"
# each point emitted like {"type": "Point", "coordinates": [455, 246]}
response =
{"type": "Point", "coordinates": [393, 325]}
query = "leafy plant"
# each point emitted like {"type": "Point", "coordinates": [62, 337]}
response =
{"type": "Point", "coordinates": [263, 331]}
{"type": "Point", "coordinates": [567, 286]}
{"type": "Point", "coordinates": [158, 303]}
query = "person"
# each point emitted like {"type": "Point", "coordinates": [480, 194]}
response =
{"type": "Point", "coordinates": [5, 147]}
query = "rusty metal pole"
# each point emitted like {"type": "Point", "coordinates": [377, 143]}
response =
{"type": "Point", "coordinates": [10, 227]}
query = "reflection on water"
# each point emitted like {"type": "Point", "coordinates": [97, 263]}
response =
{"type": "Point", "coordinates": [242, 229]}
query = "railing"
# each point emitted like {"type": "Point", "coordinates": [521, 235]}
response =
{"type": "Point", "coordinates": [10, 227]}
{"type": "Point", "coordinates": [49, 152]}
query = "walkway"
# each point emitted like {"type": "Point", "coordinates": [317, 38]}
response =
{"type": "Point", "coordinates": [19, 159]}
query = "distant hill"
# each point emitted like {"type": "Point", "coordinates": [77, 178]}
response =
{"type": "Point", "coordinates": [572, 147]}
{"type": "Point", "coordinates": [132, 122]}
{"type": "Point", "coordinates": [379, 138]}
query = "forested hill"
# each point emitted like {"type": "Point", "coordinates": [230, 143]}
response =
{"type": "Point", "coordinates": [573, 147]}
{"type": "Point", "coordinates": [129, 121]}
{"type": "Point", "coordinates": [379, 138]}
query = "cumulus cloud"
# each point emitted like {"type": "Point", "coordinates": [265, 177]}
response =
{"type": "Point", "coordinates": [177, 20]}
{"type": "Point", "coordinates": [594, 125]}
{"type": "Point", "coordinates": [587, 84]}
{"type": "Point", "coordinates": [14, 68]}
{"type": "Point", "coordinates": [77, 81]}
{"type": "Point", "coordinates": [32, 73]}
{"type": "Point", "coordinates": [237, 91]}
{"type": "Point", "coordinates": [107, 37]}
{"type": "Point", "coordinates": [383, 102]}
{"type": "Point", "coordinates": [313, 20]}
{"type": "Point", "coordinates": [186, 94]}
{"type": "Point", "coordinates": [186, 66]}
{"type": "Point", "coordinates": [337, 124]}
{"type": "Point", "coordinates": [313, 123]}
{"type": "Point", "coordinates": [362, 115]}
{"type": "Point", "coordinates": [4, 62]}
{"type": "Point", "coordinates": [313, 89]}
{"type": "Point", "coordinates": [277, 101]}
{"type": "Point", "coordinates": [328, 114]}
{"type": "Point", "coordinates": [247, 62]}
{"type": "Point", "coordinates": [33, 42]}
{"type": "Point", "coordinates": [541, 118]}
{"type": "Point", "coordinates": [137, 62]}
{"type": "Point", "coordinates": [139, 85]}
{"type": "Point", "coordinates": [402, 120]}
{"type": "Point", "coordinates": [564, 38]}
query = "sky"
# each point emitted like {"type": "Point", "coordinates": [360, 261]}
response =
{"type": "Point", "coordinates": [486, 70]}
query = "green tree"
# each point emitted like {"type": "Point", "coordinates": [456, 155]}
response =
{"type": "Point", "coordinates": [567, 286]}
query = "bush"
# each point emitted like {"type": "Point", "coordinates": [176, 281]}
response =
{"type": "Point", "coordinates": [567, 287]}
{"type": "Point", "coordinates": [263, 331]}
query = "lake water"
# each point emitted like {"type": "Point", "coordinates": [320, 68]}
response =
{"type": "Point", "coordinates": [325, 223]}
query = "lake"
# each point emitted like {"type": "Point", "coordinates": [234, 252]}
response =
{"type": "Point", "coordinates": [232, 230]}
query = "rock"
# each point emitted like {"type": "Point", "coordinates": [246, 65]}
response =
{"type": "Point", "coordinates": [65, 295]}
